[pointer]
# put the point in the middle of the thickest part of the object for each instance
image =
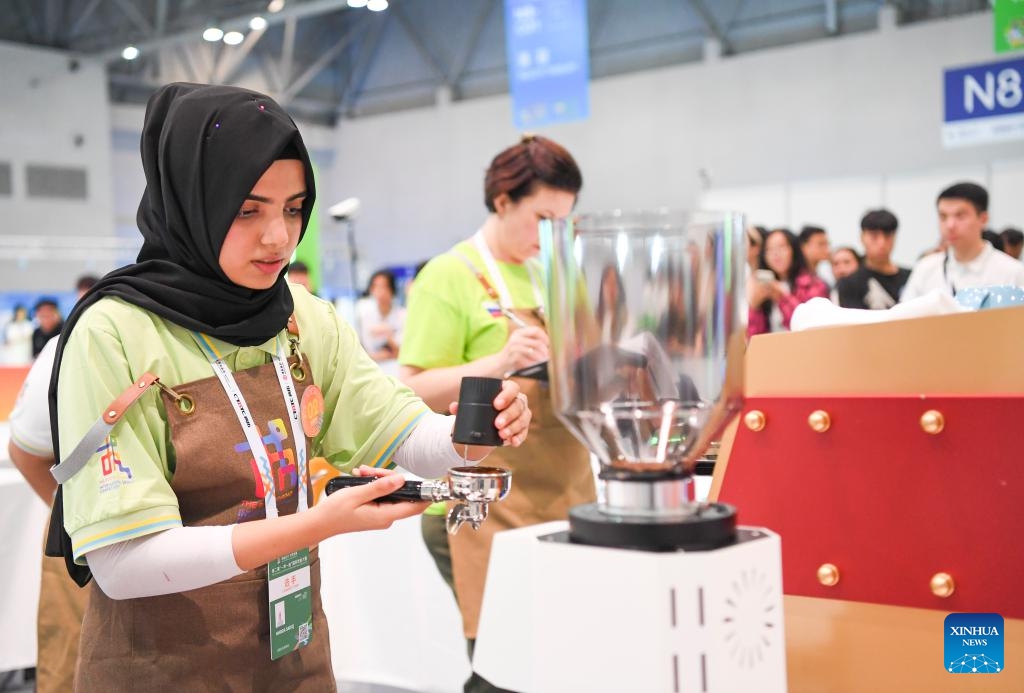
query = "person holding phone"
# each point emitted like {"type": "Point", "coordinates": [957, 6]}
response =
{"type": "Point", "coordinates": [782, 282]}
{"type": "Point", "coordinates": [479, 310]}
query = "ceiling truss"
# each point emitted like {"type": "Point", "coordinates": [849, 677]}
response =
{"type": "Point", "coordinates": [326, 60]}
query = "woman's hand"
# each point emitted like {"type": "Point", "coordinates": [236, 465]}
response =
{"type": "Point", "coordinates": [356, 509]}
{"type": "Point", "coordinates": [525, 346]}
{"type": "Point", "coordinates": [778, 291]}
{"type": "Point", "coordinates": [758, 292]}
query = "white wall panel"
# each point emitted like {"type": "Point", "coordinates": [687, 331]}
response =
{"type": "Point", "coordinates": [837, 205]}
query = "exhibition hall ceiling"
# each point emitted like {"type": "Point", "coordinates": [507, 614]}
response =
{"type": "Point", "coordinates": [326, 60]}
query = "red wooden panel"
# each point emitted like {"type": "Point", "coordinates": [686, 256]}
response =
{"type": "Point", "coordinates": [887, 503]}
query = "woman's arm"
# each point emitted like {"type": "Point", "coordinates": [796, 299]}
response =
{"type": "Point", "coordinates": [439, 387]}
{"type": "Point", "coordinates": [806, 287]}
{"type": "Point", "coordinates": [36, 470]}
{"type": "Point", "coordinates": [348, 510]}
{"type": "Point", "coordinates": [187, 558]}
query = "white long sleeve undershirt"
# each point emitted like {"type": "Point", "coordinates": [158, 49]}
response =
{"type": "Point", "coordinates": [187, 558]}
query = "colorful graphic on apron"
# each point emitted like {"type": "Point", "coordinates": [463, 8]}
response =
{"type": "Point", "coordinates": [282, 465]}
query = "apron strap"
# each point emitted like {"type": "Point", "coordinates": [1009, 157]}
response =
{"type": "Point", "coordinates": [480, 277]}
{"type": "Point", "coordinates": [99, 431]}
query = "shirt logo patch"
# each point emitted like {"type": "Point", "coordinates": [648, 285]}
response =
{"type": "Point", "coordinates": [114, 473]}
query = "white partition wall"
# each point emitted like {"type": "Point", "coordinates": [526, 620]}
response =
{"type": "Point", "coordinates": [55, 143]}
{"type": "Point", "coordinates": [1007, 192]}
{"type": "Point", "coordinates": [836, 205]}
{"type": "Point", "coordinates": [760, 203]}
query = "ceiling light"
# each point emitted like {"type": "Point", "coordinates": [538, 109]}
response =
{"type": "Point", "coordinates": [275, 6]}
{"type": "Point", "coordinates": [357, 3]}
{"type": "Point", "coordinates": [377, 5]}
{"type": "Point", "coordinates": [213, 34]}
{"type": "Point", "coordinates": [130, 53]}
{"type": "Point", "coordinates": [233, 38]}
{"type": "Point", "coordinates": [257, 23]}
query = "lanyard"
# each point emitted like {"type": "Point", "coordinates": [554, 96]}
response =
{"type": "Point", "coordinates": [499, 281]}
{"type": "Point", "coordinates": [249, 426]}
{"type": "Point", "coordinates": [945, 275]}
{"type": "Point", "coordinates": [291, 400]}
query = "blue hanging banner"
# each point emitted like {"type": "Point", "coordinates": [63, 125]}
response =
{"type": "Point", "coordinates": [548, 61]}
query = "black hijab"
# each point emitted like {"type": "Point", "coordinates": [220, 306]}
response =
{"type": "Point", "coordinates": [203, 149]}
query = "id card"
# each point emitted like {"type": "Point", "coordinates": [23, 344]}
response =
{"type": "Point", "coordinates": [291, 603]}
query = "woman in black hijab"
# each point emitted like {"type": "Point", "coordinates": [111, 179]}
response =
{"type": "Point", "coordinates": [177, 496]}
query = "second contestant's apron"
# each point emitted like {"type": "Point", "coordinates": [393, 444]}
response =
{"type": "Point", "coordinates": [214, 638]}
{"type": "Point", "coordinates": [551, 472]}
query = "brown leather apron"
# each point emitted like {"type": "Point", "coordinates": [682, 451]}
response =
{"type": "Point", "coordinates": [59, 625]}
{"type": "Point", "coordinates": [551, 472]}
{"type": "Point", "coordinates": [215, 638]}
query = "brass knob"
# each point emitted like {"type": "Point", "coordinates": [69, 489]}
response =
{"type": "Point", "coordinates": [819, 420]}
{"type": "Point", "coordinates": [755, 420]}
{"type": "Point", "coordinates": [933, 422]}
{"type": "Point", "coordinates": [943, 585]}
{"type": "Point", "coordinates": [828, 574]}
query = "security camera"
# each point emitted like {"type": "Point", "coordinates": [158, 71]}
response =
{"type": "Point", "coordinates": [345, 210]}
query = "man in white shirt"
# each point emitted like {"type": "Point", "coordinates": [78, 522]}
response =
{"type": "Point", "coordinates": [969, 260]}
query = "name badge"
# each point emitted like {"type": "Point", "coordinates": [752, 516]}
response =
{"type": "Point", "coordinates": [291, 603]}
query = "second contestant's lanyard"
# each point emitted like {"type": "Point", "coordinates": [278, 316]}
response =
{"type": "Point", "coordinates": [499, 281]}
{"type": "Point", "coordinates": [288, 577]}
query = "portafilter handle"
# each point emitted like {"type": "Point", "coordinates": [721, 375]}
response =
{"type": "Point", "coordinates": [473, 489]}
{"type": "Point", "coordinates": [433, 491]}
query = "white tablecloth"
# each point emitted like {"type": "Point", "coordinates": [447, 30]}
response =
{"type": "Point", "coordinates": [23, 519]}
{"type": "Point", "coordinates": [393, 620]}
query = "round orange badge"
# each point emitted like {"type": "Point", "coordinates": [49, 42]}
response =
{"type": "Point", "coordinates": [312, 407]}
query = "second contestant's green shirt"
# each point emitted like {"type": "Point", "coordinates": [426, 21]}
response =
{"type": "Point", "coordinates": [450, 318]}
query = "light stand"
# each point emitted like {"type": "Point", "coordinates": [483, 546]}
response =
{"type": "Point", "coordinates": [346, 211]}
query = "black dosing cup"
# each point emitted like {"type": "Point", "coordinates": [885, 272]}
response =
{"type": "Point", "coordinates": [474, 421]}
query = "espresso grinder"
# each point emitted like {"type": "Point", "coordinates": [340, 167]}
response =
{"type": "Point", "coordinates": [647, 589]}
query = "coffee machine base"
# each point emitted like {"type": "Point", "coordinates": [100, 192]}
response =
{"type": "Point", "coordinates": [710, 526]}
{"type": "Point", "coordinates": [559, 616]}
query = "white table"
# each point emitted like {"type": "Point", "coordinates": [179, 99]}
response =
{"type": "Point", "coordinates": [393, 620]}
{"type": "Point", "coordinates": [23, 519]}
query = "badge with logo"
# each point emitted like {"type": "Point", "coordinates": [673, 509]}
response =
{"type": "Point", "coordinates": [291, 603]}
{"type": "Point", "coordinates": [312, 408]}
{"type": "Point", "coordinates": [974, 644]}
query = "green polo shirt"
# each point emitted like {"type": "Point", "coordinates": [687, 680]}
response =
{"type": "Point", "coordinates": [128, 494]}
{"type": "Point", "coordinates": [450, 319]}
